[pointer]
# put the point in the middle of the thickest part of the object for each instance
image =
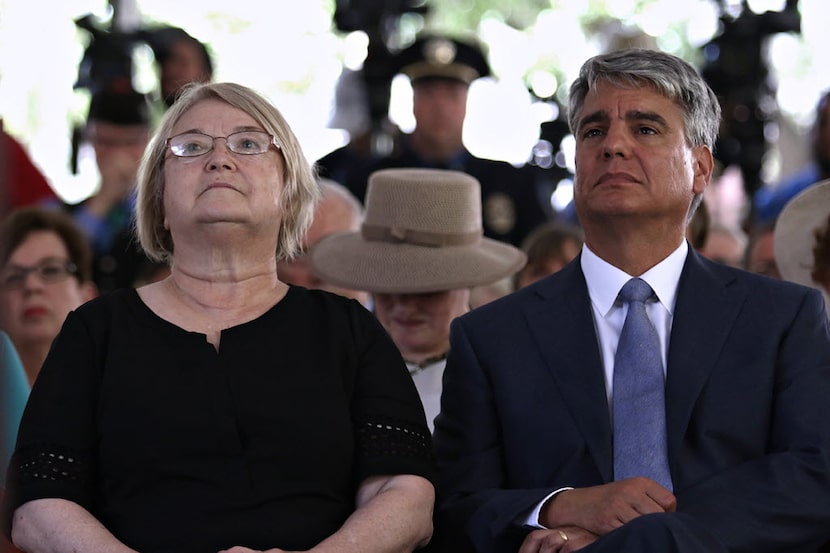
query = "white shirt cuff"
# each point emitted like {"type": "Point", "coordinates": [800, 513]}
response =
{"type": "Point", "coordinates": [532, 519]}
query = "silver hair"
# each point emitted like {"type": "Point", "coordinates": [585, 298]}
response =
{"type": "Point", "coordinates": [669, 75]}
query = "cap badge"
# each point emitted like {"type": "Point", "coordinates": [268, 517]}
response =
{"type": "Point", "coordinates": [439, 51]}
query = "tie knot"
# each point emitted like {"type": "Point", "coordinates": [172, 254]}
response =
{"type": "Point", "coordinates": [636, 289]}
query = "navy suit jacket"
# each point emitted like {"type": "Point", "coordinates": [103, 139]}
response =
{"type": "Point", "coordinates": [524, 409]}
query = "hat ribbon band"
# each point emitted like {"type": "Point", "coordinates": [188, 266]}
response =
{"type": "Point", "coordinates": [379, 233]}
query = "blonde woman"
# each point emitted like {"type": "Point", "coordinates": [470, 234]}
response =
{"type": "Point", "coordinates": [219, 408]}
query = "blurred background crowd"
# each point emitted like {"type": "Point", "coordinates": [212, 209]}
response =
{"type": "Point", "coordinates": [764, 57]}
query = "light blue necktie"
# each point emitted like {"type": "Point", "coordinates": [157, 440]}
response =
{"type": "Point", "coordinates": [640, 447]}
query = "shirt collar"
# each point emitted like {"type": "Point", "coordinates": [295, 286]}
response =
{"type": "Point", "coordinates": [605, 281]}
{"type": "Point", "coordinates": [428, 363]}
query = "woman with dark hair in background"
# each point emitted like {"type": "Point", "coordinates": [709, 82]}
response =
{"type": "Point", "coordinates": [45, 272]}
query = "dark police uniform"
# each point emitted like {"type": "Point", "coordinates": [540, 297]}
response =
{"type": "Point", "coordinates": [118, 258]}
{"type": "Point", "coordinates": [514, 199]}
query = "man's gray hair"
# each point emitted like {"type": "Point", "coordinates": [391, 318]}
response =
{"type": "Point", "coordinates": [669, 75]}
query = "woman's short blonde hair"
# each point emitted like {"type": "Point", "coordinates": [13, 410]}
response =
{"type": "Point", "coordinates": [299, 195]}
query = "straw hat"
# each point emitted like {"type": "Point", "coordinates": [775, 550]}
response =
{"type": "Point", "coordinates": [795, 234]}
{"type": "Point", "coordinates": [422, 232]}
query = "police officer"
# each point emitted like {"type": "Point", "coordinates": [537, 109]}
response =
{"type": "Point", "coordinates": [118, 127]}
{"type": "Point", "coordinates": [441, 70]}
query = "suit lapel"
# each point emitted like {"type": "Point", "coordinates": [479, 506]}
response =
{"type": "Point", "coordinates": [706, 308]}
{"type": "Point", "coordinates": [563, 327]}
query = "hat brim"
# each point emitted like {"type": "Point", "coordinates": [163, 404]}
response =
{"type": "Point", "coordinates": [453, 71]}
{"type": "Point", "coordinates": [349, 261]}
{"type": "Point", "coordinates": [794, 235]}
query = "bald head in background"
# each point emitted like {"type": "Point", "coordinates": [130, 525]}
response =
{"type": "Point", "coordinates": [338, 211]}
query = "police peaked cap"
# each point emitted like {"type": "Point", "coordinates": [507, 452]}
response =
{"type": "Point", "coordinates": [443, 57]}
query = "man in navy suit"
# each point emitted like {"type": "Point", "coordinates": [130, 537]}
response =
{"type": "Point", "coordinates": [525, 437]}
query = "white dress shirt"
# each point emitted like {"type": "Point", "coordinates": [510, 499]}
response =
{"type": "Point", "coordinates": [428, 378]}
{"type": "Point", "coordinates": [604, 283]}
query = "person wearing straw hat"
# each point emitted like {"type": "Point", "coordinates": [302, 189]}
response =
{"type": "Point", "coordinates": [419, 251]}
{"type": "Point", "coordinates": [802, 239]}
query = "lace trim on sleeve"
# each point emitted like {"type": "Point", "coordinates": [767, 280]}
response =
{"type": "Point", "coordinates": [49, 462]}
{"type": "Point", "coordinates": [385, 437]}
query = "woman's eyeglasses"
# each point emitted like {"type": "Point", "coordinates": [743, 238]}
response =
{"type": "Point", "coordinates": [193, 144]}
{"type": "Point", "coordinates": [48, 271]}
